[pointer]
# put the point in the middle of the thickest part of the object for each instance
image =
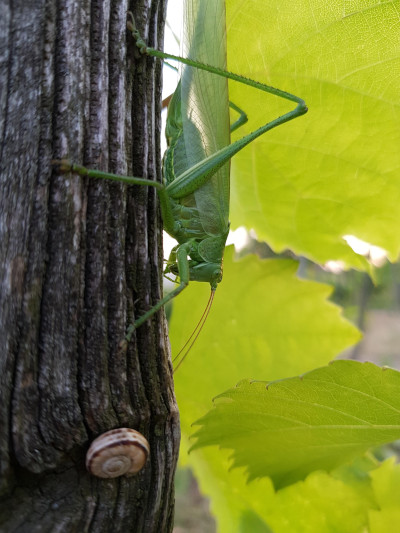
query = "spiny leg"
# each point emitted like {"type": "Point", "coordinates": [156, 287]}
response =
{"type": "Point", "coordinates": [64, 166]}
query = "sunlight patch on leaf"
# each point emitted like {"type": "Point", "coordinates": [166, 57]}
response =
{"type": "Point", "coordinates": [376, 255]}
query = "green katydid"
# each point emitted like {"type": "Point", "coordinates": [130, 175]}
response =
{"type": "Point", "coordinates": [194, 195]}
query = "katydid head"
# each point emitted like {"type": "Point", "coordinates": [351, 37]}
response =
{"type": "Point", "coordinates": [211, 272]}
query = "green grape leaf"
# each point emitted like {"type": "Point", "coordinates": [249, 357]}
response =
{"type": "Point", "coordinates": [334, 171]}
{"type": "Point", "coordinates": [321, 503]}
{"type": "Point", "coordinates": [288, 428]}
{"type": "Point", "coordinates": [265, 323]}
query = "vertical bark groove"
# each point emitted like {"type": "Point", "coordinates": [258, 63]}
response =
{"type": "Point", "coordinates": [79, 260]}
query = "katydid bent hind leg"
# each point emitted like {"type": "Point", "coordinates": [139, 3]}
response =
{"type": "Point", "coordinates": [196, 176]}
{"type": "Point", "coordinates": [300, 109]}
{"type": "Point", "coordinates": [242, 117]}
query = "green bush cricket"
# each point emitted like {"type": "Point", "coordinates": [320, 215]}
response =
{"type": "Point", "coordinates": [194, 195]}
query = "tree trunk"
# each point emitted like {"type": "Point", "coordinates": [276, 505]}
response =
{"type": "Point", "coordinates": [79, 259]}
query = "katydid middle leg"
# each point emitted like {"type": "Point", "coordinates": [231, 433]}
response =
{"type": "Point", "coordinates": [182, 251]}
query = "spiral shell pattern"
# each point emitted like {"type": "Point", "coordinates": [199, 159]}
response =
{"type": "Point", "coordinates": [119, 452]}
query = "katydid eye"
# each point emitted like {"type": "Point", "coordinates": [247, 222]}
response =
{"type": "Point", "coordinates": [218, 275]}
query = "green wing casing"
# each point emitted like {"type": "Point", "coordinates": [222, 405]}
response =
{"type": "Point", "coordinates": [204, 109]}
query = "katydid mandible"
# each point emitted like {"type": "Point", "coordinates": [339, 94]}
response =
{"type": "Point", "coordinates": [194, 195]}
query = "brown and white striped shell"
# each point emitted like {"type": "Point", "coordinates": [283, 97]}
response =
{"type": "Point", "coordinates": [119, 452]}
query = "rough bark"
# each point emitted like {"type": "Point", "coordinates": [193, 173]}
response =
{"type": "Point", "coordinates": [79, 259]}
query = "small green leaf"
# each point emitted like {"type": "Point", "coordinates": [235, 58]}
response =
{"type": "Point", "coordinates": [384, 521]}
{"type": "Point", "coordinates": [288, 428]}
{"type": "Point", "coordinates": [386, 486]}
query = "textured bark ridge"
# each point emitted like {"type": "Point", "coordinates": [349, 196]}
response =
{"type": "Point", "coordinates": [79, 259]}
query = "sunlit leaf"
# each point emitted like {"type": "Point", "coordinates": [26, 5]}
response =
{"type": "Point", "coordinates": [288, 428]}
{"type": "Point", "coordinates": [334, 171]}
{"type": "Point", "coordinates": [322, 503]}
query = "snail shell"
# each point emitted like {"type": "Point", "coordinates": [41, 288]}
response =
{"type": "Point", "coordinates": [119, 452]}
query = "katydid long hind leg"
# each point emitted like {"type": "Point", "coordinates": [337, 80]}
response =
{"type": "Point", "coordinates": [300, 109]}
{"type": "Point", "coordinates": [196, 176]}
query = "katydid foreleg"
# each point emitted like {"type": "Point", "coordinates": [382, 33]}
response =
{"type": "Point", "coordinates": [183, 269]}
